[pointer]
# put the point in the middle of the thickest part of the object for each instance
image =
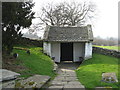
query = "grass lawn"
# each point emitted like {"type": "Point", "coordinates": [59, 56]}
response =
{"type": "Point", "coordinates": [109, 47]}
{"type": "Point", "coordinates": [36, 62]}
{"type": "Point", "coordinates": [89, 73]}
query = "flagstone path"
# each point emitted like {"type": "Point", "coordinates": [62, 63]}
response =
{"type": "Point", "coordinates": [66, 78]}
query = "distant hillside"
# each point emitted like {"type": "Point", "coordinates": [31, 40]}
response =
{"type": "Point", "coordinates": [105, 41]}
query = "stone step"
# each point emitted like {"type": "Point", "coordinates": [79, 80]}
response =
{"type": "Point", "coordinates": [7, 78]}
{"type": "Point", "coordinates": [36, 81]}
{"type": "Point", "coordinates": [66, 80]}
{"type": "Point", "coordinates": [7, 75]}
{"type": "Point", "coordinates": [58, 83]}
{"type": "Point", "coordinates": [55, 88]}
{"type": "Point", "coordinates": [73, 86]}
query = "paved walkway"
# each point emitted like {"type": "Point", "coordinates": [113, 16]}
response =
{"type": "Point", "coordinates": [66, 78]}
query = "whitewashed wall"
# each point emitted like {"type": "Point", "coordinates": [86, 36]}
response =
{"type": "Point", "coordinates": [78, 51]}
{"type": "Point", "coordinates": [45, 47]}
{"type": "Point", "coordinates": [49, 49]}
{"type": "Point", "coordinates": [55, 51]}
{"type": "Point", "coordinates": [88, 50]}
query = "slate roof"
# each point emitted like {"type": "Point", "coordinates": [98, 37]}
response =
{"type": "Point", "coordinates": [68, 34]}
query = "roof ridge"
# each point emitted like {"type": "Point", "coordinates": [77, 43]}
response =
{"type": "Point", "coordinates": [69, 26]}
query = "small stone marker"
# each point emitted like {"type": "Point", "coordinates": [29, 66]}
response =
{"type": "Point", "coordinates": [109, 77]}
{"type": "Point", "coordinates": [55, 67]}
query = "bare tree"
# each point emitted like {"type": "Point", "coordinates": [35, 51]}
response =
{"type": "Point", "coordinates": [65, 14]}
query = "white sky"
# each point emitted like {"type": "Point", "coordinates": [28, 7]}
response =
{"type": "Point", "coordinates": [106, 23]}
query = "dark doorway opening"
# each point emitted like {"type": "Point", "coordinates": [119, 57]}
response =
{"type": "Point", "coordinates": [66, 51]}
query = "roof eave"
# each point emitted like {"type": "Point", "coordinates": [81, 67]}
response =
{"type": "Point", "coordinates": [66, 41]}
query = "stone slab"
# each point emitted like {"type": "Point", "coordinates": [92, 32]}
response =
{"type": "Point", "coordinates": [73, 86]}
{"type": "Point", "coordinates": [36, 81]}
{"type": "Point", "coordinates": [74, 83]}
{"type": "Point", "coordinates": [109, 77]}
{"type": "Point", "coordinates": [70, 78]}
{"type": "Point", "coordinates": [73, 89]}
{"type": "Point", "coordinates": [8, 84]}
{"type": "Point", "coordinates": [7, 75]}
{"type": "Point", "coordinates": [58, 83]}
{"type": "Point", "coordinates": [56, 87]}
{"type": "Point", "coordinates": [68, 74]}
{"type": "Point", "coordinates": [104, 88]}
{"type": "Point", "coordinates": [59, 79]}
{"type": "Point", "coordinates": [66, 78]}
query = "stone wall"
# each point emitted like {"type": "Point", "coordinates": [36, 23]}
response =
{"type": "Point", "coordinates": [103, 51]}
{"type": "Point", "coordinates": [27, 41]}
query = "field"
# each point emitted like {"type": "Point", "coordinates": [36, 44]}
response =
{"type": "Point", "coordinates": [109, 47]}
{"type": "Point", "coordinates": [36, 62]}
{"type": "Point", "coordinates": [89, 73]}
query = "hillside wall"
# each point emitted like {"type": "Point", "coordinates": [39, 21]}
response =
{"type": "Point", "coordinates": [103, 51]}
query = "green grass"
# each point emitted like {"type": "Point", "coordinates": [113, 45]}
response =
{"type": "Point", "coordinates": [36, 62]}
{"type": "Point", "coordinates": [109, 47]}
{"type": "Point", "coordinates": [90, 72]}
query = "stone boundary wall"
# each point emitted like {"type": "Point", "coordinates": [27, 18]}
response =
{"type": "Point", "coordinates": [104, 51]}
{"type": "Point", "coordinates": [27, 41]}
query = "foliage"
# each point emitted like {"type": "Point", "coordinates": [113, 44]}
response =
{"type": "Point", "coordinates": [36, 62]}
{"type": "Point", "coordinates": [15, 16]}
{"type": "Point", "coordinates": [67, 14]}
{"type": "Point", "coordinates": [90, 72]}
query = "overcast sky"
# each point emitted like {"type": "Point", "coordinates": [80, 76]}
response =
{"type": "Point", "coordinates": [106, 22]}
